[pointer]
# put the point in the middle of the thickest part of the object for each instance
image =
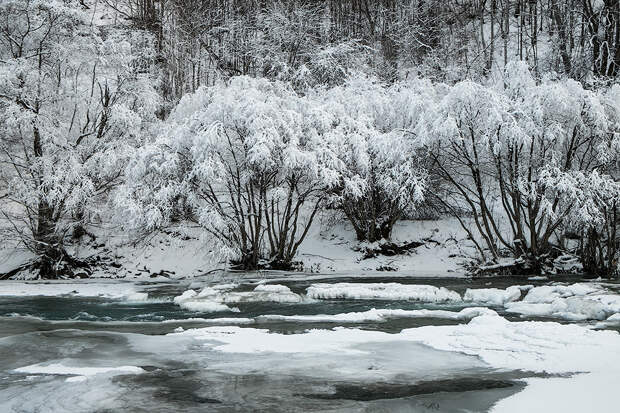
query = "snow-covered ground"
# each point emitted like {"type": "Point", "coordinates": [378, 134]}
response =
{"type": "Point", "coordinates": [446, 249]}
{"type": "Point", "coordinates": [84, 288]}
{"type": "Point", "coordinates": [328, 249]}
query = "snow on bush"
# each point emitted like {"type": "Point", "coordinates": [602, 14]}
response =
{"type": "Point", "coordinates": [383, 177]}
{"type": "Point", "coordinates": [248, 165]}
{"type": "Point", "coordinates": [525, 159]}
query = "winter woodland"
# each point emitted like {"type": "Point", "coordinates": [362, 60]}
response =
{"type": "Point", "coordinates": [251, 121]}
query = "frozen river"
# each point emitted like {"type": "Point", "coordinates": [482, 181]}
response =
{"type": "Point", "coordinates": [333, 344]}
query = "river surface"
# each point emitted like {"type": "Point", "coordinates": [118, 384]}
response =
{"type": "Point", "coordinates": [178, 373]}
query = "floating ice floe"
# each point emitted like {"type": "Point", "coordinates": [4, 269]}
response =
{"type": "Point", "coordinates": [382, 291]}
{"type": "Point", "coordinates": [262, 293]}
{"type": "Point", "coordinates": [495, 296]}
{"type": "Point", "coordinates": [548, 293]}
{"type": "Point", "coordinates": [233, 339]}
{"type": "Point", "coordinates": [216, 298]}
{"type": "Point", "coordinates": [614, 317]}
{"type": "Point", "coordinates": [379, 315]}
{"type": "Point", "coordinates": [272, 288]}
{"type": "Point", "coordinates": [576, 302]}
{"type": "Point", "coordinates": [192, 301]}
{"type": "Point", "coordinates": [587, 360]}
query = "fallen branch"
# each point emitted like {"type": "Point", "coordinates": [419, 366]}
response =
{"type": "Point", "coordinates": [389, 249]}
{"type": "Point", "coordinates": [320, 256]}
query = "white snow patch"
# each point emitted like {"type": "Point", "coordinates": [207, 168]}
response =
{"type": "Point", "coordinates": [334, 248]}
{"type": "Point", "coordinates": [222, 320]}
{"type": "Point", "coordinates": [116, 290]}
{"type": "Point", "coordinates": [11, 259]}
{"type": "Point", "coordinates": [250, 340]}
{"type": "Point", "coordinates": [272, 288]}
{"type": "Point", "coordinates": [382, 291]}
{"type": "Point", "coordinates": [79, 373]}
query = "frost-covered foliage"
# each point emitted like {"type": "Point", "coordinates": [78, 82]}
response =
{"type": "Point", "coordinates": [290, 46]}
{"type": "Point", "coordinates": [288, 41]}
{"type": "Point", "coordinates": [595, 206]}
{"type": "Point", "coordinates": [72, 106]}
{"type": "Point", "coordinates": [249, 162]}
{"type": "Point", "coordinates": [253, 162]}
{"type": "Point", "coordinates": [523, 158]}
{"type": "Point", "coordinates": [382, 177]}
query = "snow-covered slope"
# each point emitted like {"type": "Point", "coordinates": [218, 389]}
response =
{"type": "Point", "coordinates": [329, 249]}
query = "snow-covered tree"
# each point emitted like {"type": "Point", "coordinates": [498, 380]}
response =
{"type": "Point", "coordinates": [249, 161]}
{"type": "Point", "coordinates": [459, 133]}
{"type": "Point", "coordinates": [71, 110]}
{"type": "Point", "coordinates": [383, 178]}
{"type": "Point", "coordinates": [495, 146]}
{"type": "Point", "coordinates": [595, 196]}
{"type": "Point", "coordinates": [595, 201]}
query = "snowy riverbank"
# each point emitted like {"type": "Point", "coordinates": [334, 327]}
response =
{"type": "Point", "coordinates": [328, 249]}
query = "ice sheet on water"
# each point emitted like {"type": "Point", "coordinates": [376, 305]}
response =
{"type": "Point", "coordinates": [250, 340]}
{"type": "Point", "coordinates": [380, 315]}
{"type": "Point", "coordinates": [528, 345]}
{"type": "Point", "coordinates": [222, 320]}
{"type": "Point", "coordinates": [262, 293]}
{"type": "Point", "coordinates": [541, 347]}
{"type": "Point", "coordinates": [382, 291]}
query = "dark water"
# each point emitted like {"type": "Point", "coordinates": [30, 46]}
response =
{"type": "Point", "coordinates": [182, 375]}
